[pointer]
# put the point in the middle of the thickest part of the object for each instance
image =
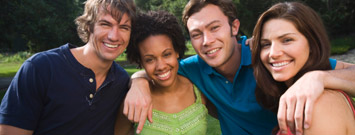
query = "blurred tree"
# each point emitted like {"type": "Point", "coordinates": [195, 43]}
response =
{"type": "Point", "coordinates": [175, 7]}
{"type": "Point", "coordinates": [38, 25]}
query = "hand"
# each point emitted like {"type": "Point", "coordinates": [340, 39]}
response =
{"type": "Point", "coordinates": [299, 98]}
{"type": "Point", "coordinates": [249, 42]}
{"type": "Point", "coordinates": [137, 104]}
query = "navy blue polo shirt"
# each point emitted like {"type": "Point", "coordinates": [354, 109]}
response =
{"type": "Point", "coordinates": [238, 110]}
{"type": "Point", "coordinates": [53, 93]}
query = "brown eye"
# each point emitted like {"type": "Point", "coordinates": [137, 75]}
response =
{"type": "Point", "coordinates": [195, 36]}
{"type": "Point", "coordinates": [286, 40]}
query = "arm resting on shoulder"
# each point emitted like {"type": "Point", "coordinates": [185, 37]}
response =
{"type": "Point", "coordinates": [299, 99]}
{"type": "Point", "coordinates": [11, 130]}
{"type": "Point", "coordinates": [342, 78]}
{"type": "Point", "coordinates": [332, 115]}
{"type": "Point", "coordinates": [137, 104]}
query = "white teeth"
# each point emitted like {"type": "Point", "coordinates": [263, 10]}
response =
{"type": "Point", "coordinates": [212, 51]}
{"type": "Point", "coordinates": [164, 75]}
{"type": "Point", "coordinates": [109, 45]}
{"type": "Point", "coordinates": [280, 64]}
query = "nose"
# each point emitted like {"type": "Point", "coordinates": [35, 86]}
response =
{"type": "Point", "coordinates": [276, 50]}
{"type": "Point", "coordinates": [161, 64]}
{"type": "Point", "coordinates": [114, 34]}
{"type": "Point", "coordinates": [208, 38]}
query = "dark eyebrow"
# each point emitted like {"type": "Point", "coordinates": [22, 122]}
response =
{"type": "Point", "coordinates": [149, 55]}
{"type": "Point", "coordinates": [279, 37]}
{"type": "Point", "coordinates": [197, 30]}
{"type": "Point", "coordinates": [103, 21]}
{"type": "Point", "coordinates": [168, 50]}
{"type": "Point", "coordinates": [215, 21]}
{"type": "Point", "coordinates": [284, 35]}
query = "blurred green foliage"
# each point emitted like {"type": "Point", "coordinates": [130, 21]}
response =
{"type": "Point", "coordinates": [38, 25]}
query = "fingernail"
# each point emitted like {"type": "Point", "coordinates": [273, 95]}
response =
{"type": "Point", "coordinates": [138, 131]}
{"type": "Point", "coordinates": [298, 133]}
{"type": "Point", "coordinates": [306, 126]}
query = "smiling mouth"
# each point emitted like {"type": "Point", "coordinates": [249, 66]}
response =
{"type": "Point", "coordinates": [280, 64]}
{"type": "Point", "coordinates": [164, 75]}
{"type": "Point", "coordinates": [110, 45]}
{"type": "Point", "coordinates": [212, 51]}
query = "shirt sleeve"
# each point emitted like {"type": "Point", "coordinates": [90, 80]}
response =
{"type": "Point", "coordinates": [188, 67]}
{"type": "Point", "coordinates": [181, 70]}
{"type": "Point", "coordinates": [333, 63]}
{"type": "Point", "coordinates": [22, 104]}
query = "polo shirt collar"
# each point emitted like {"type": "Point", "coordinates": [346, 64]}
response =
{"type": "Point", "coordinates": [82, 69]}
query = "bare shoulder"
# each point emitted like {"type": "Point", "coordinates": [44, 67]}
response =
{"type": "Point", "coordinates": [332, 115]}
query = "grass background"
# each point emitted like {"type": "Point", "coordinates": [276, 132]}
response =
{"type": "Point", "coordinates": [11, 62]}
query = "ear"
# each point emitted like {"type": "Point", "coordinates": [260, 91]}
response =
{"type": "Point", "coordinates": [235, 27]}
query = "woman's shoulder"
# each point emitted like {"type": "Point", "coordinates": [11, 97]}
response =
{"type": "Point", "coordinates": [332, 114]}
{"type": "Point", "coordinates": [336, 102]}
{"type": "Point", "coordinates": [333, 99]}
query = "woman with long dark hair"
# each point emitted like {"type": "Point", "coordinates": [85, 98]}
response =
{"type": "Point", "coordinates": [289, 41]}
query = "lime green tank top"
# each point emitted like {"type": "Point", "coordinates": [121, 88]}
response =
{"type": "Point", "coordinates": [190, 121]}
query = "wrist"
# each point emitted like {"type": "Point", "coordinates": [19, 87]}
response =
{"type": "Point", "coordinates": [320, 76]}
{"type": "Point", "coordinates": [140, 74]}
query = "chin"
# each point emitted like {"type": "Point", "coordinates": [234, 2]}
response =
{"type": "Point", "coordinates": [280, 79]}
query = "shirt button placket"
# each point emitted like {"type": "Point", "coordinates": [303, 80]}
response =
{"type": "Point", "coordinates": [91, 80]}
{"type": "Point", "coordinates": [91, 96]}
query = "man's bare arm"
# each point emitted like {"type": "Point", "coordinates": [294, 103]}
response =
{"type": "Point", "coordinates": [11, 130]}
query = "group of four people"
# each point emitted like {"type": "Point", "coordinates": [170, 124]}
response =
{"type": "Point", "coordinates": [280, 82]}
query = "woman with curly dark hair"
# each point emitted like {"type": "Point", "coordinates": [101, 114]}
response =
{"type": "Point", "coordinates": [157, 42]}
{"type": "Point", "coordinates": [289, 41]}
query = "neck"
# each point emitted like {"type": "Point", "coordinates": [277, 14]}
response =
{"type": "Point", "coordinates": [172, 89]}
{"type": "Point", "coordinates": [87, 57]}
{"type": "Point", "coordinates": [230, 68]}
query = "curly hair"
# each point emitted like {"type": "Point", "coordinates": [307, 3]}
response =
{"type": "Point", "coordinates": [117, 8]}
{"type": "Point", "coordinates": [155, 23]}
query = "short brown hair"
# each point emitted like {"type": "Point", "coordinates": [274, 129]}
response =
{"type": "Point", "coordinates": [193, 6]}
{"type": "Point", "coordinates": [308, 23]}
{"type": "Point", "coordinates": [117, 8]}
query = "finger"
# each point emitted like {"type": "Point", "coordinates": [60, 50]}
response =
{"type": "Point", "coordinates": [125, 108]}
{"type": "Point", "coordinates": [290, 106]}
{"type": "Point", "coordinates": [141, 124]}
{"type": "Point", "coordinates": [299, 115]}
{"type": "Point", "coordinates": [131, 113]}
{"type": "Point", "coordinates": [150, 113]}
{"type": "Point", "coordinates": [137, 114]}
{"type": "Point", "coordinates": [281, 116]}
{"type": "Point", "coordinates": [308, 113]}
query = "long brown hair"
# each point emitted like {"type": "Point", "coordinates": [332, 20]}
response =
{"type": "Point", "coordinates": [306, 20]}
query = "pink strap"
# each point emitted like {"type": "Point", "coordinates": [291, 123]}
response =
{"type": "Point", "coordinates": [347, 97]}
{"type": "Point", "coordinates": [349, 100]}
